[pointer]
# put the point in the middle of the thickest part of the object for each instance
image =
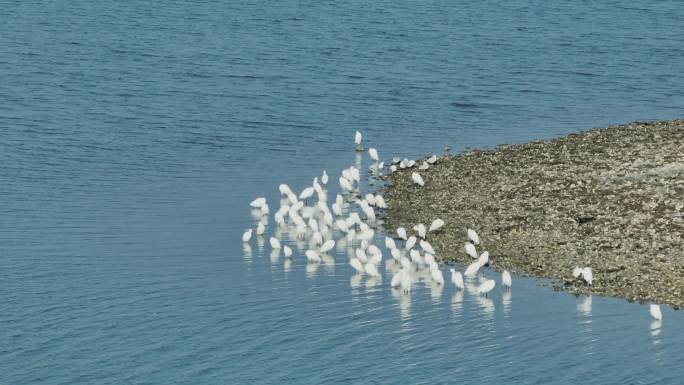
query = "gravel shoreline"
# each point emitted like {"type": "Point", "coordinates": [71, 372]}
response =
{"type": "Point", "coordinates": [610, 198]}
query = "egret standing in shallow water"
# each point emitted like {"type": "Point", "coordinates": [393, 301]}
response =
{"type": "Point", "coordinates": [373, 154]}
{"type": "Point", "coordinates": [357, 265]}
{"type": "Point", "coordinates": [655, 312]}
{"type": "Point", "coordinates": [486, 287]}
{"type": "Point", "coordinates": [506, 279]}
{"type": "Point", "coordinates": [472, 269]}
{"type": "Point", "coordinates": [457, 279]}
{"type": "Point", "coordinates": [258, 202]}
{"type": "Point", "coordinates": [357, 141]}
{"type": "Point", "coordinates": [247, 236]}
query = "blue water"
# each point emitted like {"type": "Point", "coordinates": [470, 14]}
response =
{"type": "Point", "coordinates": [134, 134]}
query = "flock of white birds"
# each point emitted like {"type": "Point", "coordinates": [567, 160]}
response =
{"type": "Point", "coordinates": [351, 220]}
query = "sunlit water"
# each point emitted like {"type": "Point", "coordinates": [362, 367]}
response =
{"type": "Point", "coordinates": [133, 136]}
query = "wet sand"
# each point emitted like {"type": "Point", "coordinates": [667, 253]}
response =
{"type": "Point", "coordinates": [611, 199]}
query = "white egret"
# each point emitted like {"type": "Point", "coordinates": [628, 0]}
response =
{"type": "Point", "coordinates": [655, 312]}
{"type": "Point", "coordinates": [410, 242]}
{"type": "Point", "coordinates": [472, 235]}
{"type": "Point", "coordinates": [247, 235]}
{"type": "Point", "coordinates": [416, 257]}
{"type": "Point", "coordinates": [275, 243]}
{"type": "Point", "coordinates": [357, 140]}
{"type": "Point", "coordinates": [328, 219]}
{"type": "Point", "coordinates": [472, 269]}
{"type": "Point", "coordinates": [312, 256]}
{"type": "Point", "coordinates": [432, 159]}
{"type": "Point", "coordinates": [373, 154]}
{"type": "Point", "coordinates": [417, 179]}
{"type": "Point", "coordinates": [374, 251]}
{"type": "Point", "coordinates": [401, 232]}
{"type": "Point", "coordinates": [287, 251]}
{"type": "Point", "coordinates": [313, 223]}
{"type": "Point", "coordinates": [307, 193]}
{"type": "Point", "coordinates": [423, 166]}
{"type": "Point", "coordinates": [342, 225]}
{"type": "Point", "coordinates": [457, 279]}
{"type": "Point", "coordinates": [336, 209]}
{"type": "Point", "coordinates": [346, 184]}
{"type": "Point", "coordinates": [484, 258]}
{"type": "Point", "coordinates": [324, 178]}
{"type": "Point", "coordinates": [357, 265]}
{"type": "Point", "coordinates": [390, 244]}
{"type": "Point", "coordinates": [316, 238]}
{"type": "Point", "coordinates": [436, 274]}
{"type": "Point", "coordinates": [372, 270]}
{"type": "Point", "coordinates": [577, 272]}
{"type": "Point", "coordinates": [506, 279]}
{"type": "Point", "coordinates": [264, 209]}
{"type": "Point", "coordinates": [420, 229]}
{"type": "Point", "coordinates": [486, 287]}
{"type": "Point", "coordinates": [380, 202]}
{"type": "Point", "coordinates": [406, 282]}
{"type": "Point", "coordinates": [284, 189]}
{"type": "Point", "coordinates": [260, 229]}
{"type": "Point", "coordinates": [588, 275]}
{"type": "Point", "coordinates": [427, 247]}
{"type": "Point", "coordinates": [396, 279]}
{"type": "Point", "coordinates": [470, 250]}
{"type": "Point", "coordinates": [361, 255]}
{"type": "Point", "coordinates": [327, 246]}
{"type": "Point", "coordinates": [429, 259]}
{"type": "Point", "coordinates": [317, 187]}
{"type": "Point", "coordinates": [258, 202]}
{"type": "Point", "coordinates": [396, 254]}
{"type": "Point", "coordinates": [436, 225]}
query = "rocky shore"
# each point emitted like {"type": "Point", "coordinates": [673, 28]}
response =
{"type": "Point", "coordinates": [611, 199]}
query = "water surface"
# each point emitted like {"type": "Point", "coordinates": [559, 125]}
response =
{"type": "Point", "coordinates": [133, 136]}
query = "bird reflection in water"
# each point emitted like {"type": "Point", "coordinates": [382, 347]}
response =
{"type": "Point", "coordinates": [487, 306]}
{"type": "Point", "coordinates": [506, 300]}
{"type": "Point", "coordinates": [247, 252]}
{"type": "Point", "coordinates": [457, 303]}
{"type": "Point", "coordinates": [312, 269]}
{"type": "Point", "coordinates": [404, 301]}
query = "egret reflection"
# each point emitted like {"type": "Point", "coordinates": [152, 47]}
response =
{"type": "Point", "coordinates": [457, 302]}
{"type": "Point", "coordinates": [506, 301]}
{"type": "Point", "coordinates": [655, 328]}
{"type": "Point", "coordinates": [436, 291]}
{"type": "Point", "coordinates": [247, 252]}
{"type": "Point", "coordinates": [312, 269]}
{"type": "Point", "coordinates": [355, 281]}
{"type": "Point", "coordinates": [584, 307]}
{"type": "Point", "coordinates": [486, 305]}
{"type": "Point", "coordinates": [404, 301]}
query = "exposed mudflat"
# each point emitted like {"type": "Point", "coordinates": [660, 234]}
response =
{"type": "Point", "coordinates": [611, 199]}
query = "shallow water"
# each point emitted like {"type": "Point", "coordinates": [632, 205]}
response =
{"type": "Point", "coordinates": [133, 137]}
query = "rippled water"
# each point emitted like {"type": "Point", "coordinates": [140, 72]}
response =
{"type": "Point", "coordinates": [132, 137]}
